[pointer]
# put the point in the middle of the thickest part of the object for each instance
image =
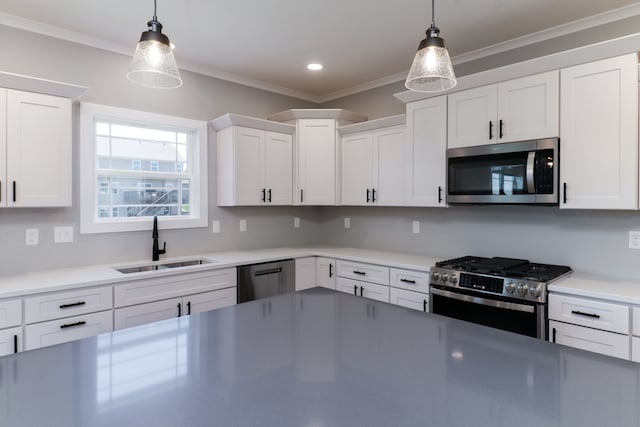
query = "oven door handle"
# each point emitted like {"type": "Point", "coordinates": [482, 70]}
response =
{"type": "Point", "coordinates": [483, 301]}
{"type": "Point", "coordinates": [531, 162]}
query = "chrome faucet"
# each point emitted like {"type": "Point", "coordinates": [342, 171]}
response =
{"type": "Point", "coordinates": [156, 250]}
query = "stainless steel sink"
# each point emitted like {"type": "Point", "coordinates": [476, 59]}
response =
{"type": "Point", "coordinates": [153, 267]}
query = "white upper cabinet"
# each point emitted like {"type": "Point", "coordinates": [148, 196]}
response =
{"type": "Point", "coordinates": [515, 110]}
{"type": "Point", "coordinates": [254, 164]}
{"type": "Point", "coordinates": [427, 152]}
{"type": "Point", "coordinates": [599, 135]}
{"type": "Point", "coordinates": [35, 150]}
{"type": "Point", "coordinates": [374, 162]}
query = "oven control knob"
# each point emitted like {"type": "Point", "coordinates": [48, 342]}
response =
{"type": "Point", "coordinates": [511, 287]}
{"type": "Point", "coordinates": [453, 279]}
{"type": "Point", "coordinates": [522, 290]}
{"type": "Point", "coordinates": [436, 276]}
{"type": "Point", "coordinates": [534, 291]}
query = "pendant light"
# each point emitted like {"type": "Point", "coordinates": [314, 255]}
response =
{"type": "Point", "coordinates": [431, 70]}
{"type": "Point", "coordinates": [153, 64]}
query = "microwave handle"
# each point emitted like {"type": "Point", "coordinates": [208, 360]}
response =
{"type": "Point", "coordinates": [531, 161]}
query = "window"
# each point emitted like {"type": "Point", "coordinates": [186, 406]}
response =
{"type": "Point", "coordinates": [154, 165]}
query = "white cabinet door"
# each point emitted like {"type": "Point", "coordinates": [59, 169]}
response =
{"type": "Point", "coordinates": [363, 289]}
{"type": "Point", "coordinates": [69, 329]}
{"type": "Point", "coordinates": [10, 313]}
{"type": "Point", "coordinates": [348, 286]}
{"type": "Point", "coordinates": [10, 341]}
{"type": "Point", "coordinates": [590, 313]}
{"type": "Point", "coordinates": [326, 272]}
{"type": "Point", "coordinates": [635, 349]}
{"type": "Point", "coordinates": [599, 134]}
{"type": "Point", "coordinates": [38, 150]}
{"type": "Point", "coordinates": [209, 301]}
{"type": "Point", "coordinates": [249, 165]}
{"type": "Point", "coordinates": [416, 281]}
{"type": "Point", "coordinates": [4, 195]}
{"type": "Point", "coordinates": [529, 108]}
{"type": "Point", "coordinates": [357, 168]}
{"type": "Point", "coordinates": [129, 317]}
{"type": "Point", "coordinates": [409, 299]}
{"type": "Point", "coordinates": [607, 343]}
{"type": "Point", "coordinates": [389, 166]}
{"type": "Point", "coordinates": [317, 157]}
{"type": "Point", "coordinates": [427, 152]}
{"type": "Point", "coordinates": [473, 117]}
{"type": "Point", "coordinates": [278, 168]}
{"type": "Point", "coordinates": [58, 305]}
{"type": "Point", "coordinates": [305, 273]}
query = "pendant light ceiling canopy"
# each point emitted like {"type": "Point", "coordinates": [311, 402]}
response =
{"type": "Point", "coordinates": [153, 63]}
{"type": "Point", "coordinates": [431, 70]}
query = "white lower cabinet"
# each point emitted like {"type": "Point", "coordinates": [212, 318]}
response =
{"type": "Point", "coordinates": [326, 272]}
{"type": "Point", "coordinates": [10, 313]}
{"type": "Point", "coordinates": [363, 289]}
{"type": "Point", "coordinates": [305, 273]}
{"type": "Point", "coordinates": [210, 300]}
{"type": "Point", "coordinates": [603, 342]}
{"type": "Point", "coordinates": [409, 299]}
{"type": "Point", "coordinates": [68, 329]}
{"type": "Point", "coordinates": [58, 305]}
{"type": "Point", "coordinates": [10, 341]}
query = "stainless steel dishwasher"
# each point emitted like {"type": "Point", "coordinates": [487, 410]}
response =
{"type": "Point", "coordinates": [265, 280]}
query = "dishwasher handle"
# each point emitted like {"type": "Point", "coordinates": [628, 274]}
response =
{"type": "Point", "coordinates": [268, 271]}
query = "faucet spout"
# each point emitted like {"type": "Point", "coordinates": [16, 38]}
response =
{"type": "Point", "coordinates": [156, 252]}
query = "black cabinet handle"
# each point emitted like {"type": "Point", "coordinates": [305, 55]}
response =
{"type": "Point", "coordinates": [188, 307]}
{"type": "Point", "coordinates": [554, 335]}
{"type": "Point", "coordinates": [424, 305]}
{"type": "Point", "coordinates": [14, 191]}
{"type": "Point", "coordinates": [581, 313]}
{"type": "Point", "coordinates": [15, 343]}
{"type": "Point", "coordinates": [361, 273]}
{"type": "Point", "coordinates": [179, 309]}
{"type": "Point", "coordinates": [355, 290]}
{"type": "Point", "coordinates": [264, 195]}
{"type": "Point", "coordinates": [490, 129]}
{"type": "Point", "coordinates": [301, 196]}
{"type": "Point", "coordinates": [73, 304]}
{"type": "Point", "coordinates": [71, 325]}
{"type": "Point", "coordinates": [330, 270]}
{"type": "Point", "coordinates": [269, 195]}
{"type": "Point", "coordinates": [361, 290]}
{"type": "Point", "coordinates": [373, 195]}
{"type": "Point", "coordinates": [439, 194]}
{"type": "Point", "coordinates": [564, 191]}
{"type": "Point", "coordinates": [413, 282]}
{"type": "Point", "coordinates": [368, 196]}
{"type": "Point", "coordinates": [501, 126]}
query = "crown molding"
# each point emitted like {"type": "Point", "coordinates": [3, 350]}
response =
{"type": "Point", "coordinates": [540, 36]}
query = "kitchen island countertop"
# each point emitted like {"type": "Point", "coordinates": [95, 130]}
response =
{"type": "Point", "coordinates": [316, 358]}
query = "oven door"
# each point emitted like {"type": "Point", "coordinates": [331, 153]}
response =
{"type": "Point", "coordinates": [522, 317]}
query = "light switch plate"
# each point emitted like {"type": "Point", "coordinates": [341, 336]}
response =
{"type": "Point", "coordinates": [243, 225]}
{"type": "Point", "coordinates": [215, 226]}
{"type": "Point", "coordinates": [347, 223]}
{"type": "Point", "coordinates": [416, 227]}
{"type": "Point", "coordinates": [634, 240]}
{"type": "Point", "coordinates": [63, 234]}
{"type": "Point", "coordinates": [31, 236]}
{"type": "Point", "coordinates": [296, 222]}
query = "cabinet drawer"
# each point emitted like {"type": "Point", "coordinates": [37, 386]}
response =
{"type": "Point", "coordinates": [635, 349]}
{"type": "Point", "coordinates": [147, 313]}
{"type": "Point", "coordinates": [66, 304]}
{"type": "Point", "coordinates": [210, 300]}
{"type": "Point", "coordinates": [416, 281]}
{"type": "Point", "coordinates": [607, 343]}
{"type": "Point", "coordinates": [363, 289]}
{"type": "Point", "coordinates": [10, 341]}
{"type": "Point", "coordinates": [69, 329]}
{"type": "Point", "coordinates": [161, 288]}
{"type": "Point", "coordinates": [636, 321]}
{"type": "Point", "coordinates": [363, 272]}
{"type": "Point", "coordinates": [590, 313]}
{"type": "Point", "coordinates": [10, 313]}
{"type": "Point", "coordinates": [409, 299]}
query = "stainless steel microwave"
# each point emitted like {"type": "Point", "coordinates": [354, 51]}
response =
{"type": "Point", "coordinates": [511, 173]}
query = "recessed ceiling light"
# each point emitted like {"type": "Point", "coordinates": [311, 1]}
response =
{"type": "Point", "coordinates": [314, 67]}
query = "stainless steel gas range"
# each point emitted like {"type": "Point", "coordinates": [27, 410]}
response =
{"type": "Point", "coordinates": [504, 293]}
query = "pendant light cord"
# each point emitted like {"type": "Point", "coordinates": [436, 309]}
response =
{"type": "Point", "coordinates": [155, 7]}
{"type": "Point", "coordinates": [433, 13]}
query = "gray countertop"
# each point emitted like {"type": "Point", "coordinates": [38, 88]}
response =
{"type": "Point", "coordinates": [317, 358]}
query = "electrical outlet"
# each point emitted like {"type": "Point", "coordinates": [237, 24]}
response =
{"type": "Point", "coordinates": [634, 240]}
{"type": "Point", "coordinates": [296, 222]}
{"type": "Point", "coordinates": [31, 236]}
{"type": "Point", "coordinates": [243, 225]}
{"type": "Point", "coordinates": [416, 227]}
{"type": "Point", "coordinates": [215, 226]}
{"type": "Point", "coordinates": [63, 234]}
{"type": "Point", "coordinates": [347, 223]}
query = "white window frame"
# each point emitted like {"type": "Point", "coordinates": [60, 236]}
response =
{"type": "Point", "coordinates": [89, 221]}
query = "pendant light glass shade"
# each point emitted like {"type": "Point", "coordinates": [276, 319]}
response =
{"type": "Point", "coordinates": [431, 70]}
{"type": "Point", "coordinates": [153, 63]}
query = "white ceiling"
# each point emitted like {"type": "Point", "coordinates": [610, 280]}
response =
{"type": "Point", "coordinates": [268, 43]}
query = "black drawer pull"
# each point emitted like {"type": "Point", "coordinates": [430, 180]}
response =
{"type": "Point", "coordinates": [179, 309]}
{"type": "Point", "coordinates": [361, 273]}
{"type": "Point", "coordinates": [373, 195]}
{"type": "Point", "coordinates": [439, 194]}
{"type": "Point", "coordinates": [269, 198]}
{"type": "Point", "coordinates": [424, 305]}
{"type": "Point", "coordinates": [580, 313]}
{"type": "Point", "coordinates": [554, 335]}
{"type": "Point", "coordinates": [368, 196]}
{"type": "Point", "coordinates": [71, 325]}
{"type": "Point", "coordinates": [15, 343]}
{"type": "Point", "coordinates": [189, 307]}
{"type": "Point", "coordinates": [501, 126]}
{"type": "Point", "coordinates": [330, 270]}
{"type": "Point", "coordinates": [14, 191]}
{"type": "Point", "coordinates": [73, 304]}
{"type": "Point", "coordinates": [564, 192]}
{"type": "Point", "coordinates": [490, 130]}
{"type": "Point", "coordinates": [264, 195]}
{"type": "Point", "coordinates": [355, 290]}
{"type": "Point", "coordinates": [361, 291]}
{"type": "Point", "coordinates": [413, 282]}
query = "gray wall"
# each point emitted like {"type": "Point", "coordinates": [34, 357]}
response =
{"type": "Point", "coordinates": [200, 98]}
